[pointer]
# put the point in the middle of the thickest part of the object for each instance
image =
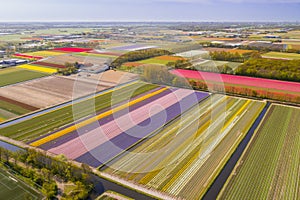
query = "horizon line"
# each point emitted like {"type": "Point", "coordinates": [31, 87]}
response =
{"type": "Point", "coordinates": [149, 21]}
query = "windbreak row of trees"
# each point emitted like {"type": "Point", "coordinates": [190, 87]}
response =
{"type": "Point", "coordinates": [69, 69]}
{"type": "Point", "coordinates": [138, 55]}
{"type": "Point", "coordinates": [180, 64]}
{"type": "Point", "coordinates": [227, 56]}
{"type": "Point", "coordinates": [243, 91]}
{"type": "Point", "coordinates": [259, 47]}
{"type": "Point", "coordinates": [223, 69]}
{"type": "Point", "coordinates": [186, 64]}
{"type": "Point", "coordinates": [43, 170]}
{"type": "Point", "coordinates": [160, 75]}
{"type": "Point", "coordinates": [288, 70]}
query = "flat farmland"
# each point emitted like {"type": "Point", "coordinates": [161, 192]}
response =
{"type": "Point", "coordinates": [239, 51]}
{"type": "Point", "coordinates": [280, 55]}
{"type": "Point", "coordinates": [83, 59]}
{"type": "Point", "coordinates": [133, 47]}
{"type": "Point", "coordinates": [154, 61]}
{"type": "Point", "coordinates": [116, 130]}
{"type": "Point", "coordinates": [162, 60]}
{"type": "Point", "coordinates": [48, 122]}
{"type": "Point", "coordinates": [270, 166]}
{"type": "Point", "coordinates": [71, 49]}
{"type": "Point", "coordinates": [51, 65]}
{"type": "Point", "coordinates": [15, 75]}
{"type": "Point", "coordinates": [36, 68]}
{"type": "Point", "coordinates": [294, 46]}
{"type": "Point", "coordinates": [10, 108]}
{"type": "Point", "coordinates": [193, 53]}
{"type": "Point", "coordinates": [62, 59]}
{"type": "Point", "coordinates": [111, 77]}
{"type": "Point", "coordinates": [111, 195]}
{"type": "Point", "coordinates": [44, 53]}
{"type": "Point", "coordinates": [54, 90]}
{"type": "Point", "coordinates": [5, 115]}
{"type": "Point", "coordinates": [274, 89]}
{"type": "Point", "coordinates": [240, 80]}
{"type": "Point", "coordinates": [13, 188]}
{"type": "Point", "coordinates": [185, 157]}
{"type": "Point", "coordinates": [214, 64]}
{"type": "Point", "coordinates": [25, 56]}
{"type": "Point", "coordinates": [99, 55]}
{"type": "Point", "coordinates": [112, 53]}
{"type": "Point", "coordinates": [295, 34]}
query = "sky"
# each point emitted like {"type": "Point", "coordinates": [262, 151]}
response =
{"type": "Point", "coordinates": [150, 10]}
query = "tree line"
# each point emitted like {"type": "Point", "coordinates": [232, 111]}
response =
{"type": "Point", "coordinates": [226, 56]}
{"type": "Point", "coordinates": [288, 70]}
{"type": "Point", "coordinates": [138, 55]}
{"type": "Point", "coordinates": [43, 169]}
{"type": "Point", "coordinates": [243, 91]}
{"type": "Point", "coordinates": [70, 68]}
{"type": "Point", "coordinates": [158, 74]}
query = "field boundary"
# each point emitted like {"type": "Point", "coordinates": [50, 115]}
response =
{"type": "Point", "coordinates": [245, 150]}
{"type": "Point", "coordinates": [215, 188]}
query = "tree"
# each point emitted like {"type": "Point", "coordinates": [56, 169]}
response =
{"type": "Point", "coordinates": [255, 55]}
{"type": "Point", "coordinates": [50, 190]}
{"type": "Point", "coordinates": [46, 174]}
{"type": "Point", "coordinates": [138, 55]}
{"type": "Point", "coordinates": [68, 70]}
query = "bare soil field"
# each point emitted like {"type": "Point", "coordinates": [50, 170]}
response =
{"type": "Point", "coordinates": [47, 91]}
{"type": "Point", "coordinates": [112, 77]}
{"type": "Point", "coordinates": [53, 90]}
{"type": "Point", "coordinates": [61, 60]}
{"type": "Point", "coordinates": [18, 103]}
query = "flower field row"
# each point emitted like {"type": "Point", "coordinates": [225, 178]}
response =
{"type": "Point", "coordinates": [10, 108]}
{"type": "Point", "coordinates": [28, 56]}
{"type": "Point", "coordinates": [17, 103]}
{"type": "Point", "coordinates": [46, 123]}
{"type": "Point", "coordinates": [185, 157]}
{"type": "Point", "coordinates": [93, 119]}
{"type": "Point", "coordinates": [170, 58]}
{"type": "Point", "coordinates": [73, 134]}
{"type": "Point", "coordinates": [14, 75]}
{"type": "Point", "coordinates": [163, 60]}
{"type": "Point", "coordinates": [86, 54]}
{"type": "Point", "coordinates": [118, 131]}
{"type": "Point", "coordinates": [45, 64]}
{"type": "Point", "coordinates": [72, 49]}
{"type": "Point", "coordinates": [111, 53]}
{"type": "Point", "coordinates": [259, 83]}
{"type": "Point", "coordinates": [280, 55]}
{"type": "Point", "coordinates": [38, 68]}
{"type": "Point", "coordinates": [269, 168]}
{"type": "Point", "coordinates": [132, 64]}
{"type": "Point", "coordinates": [44, 53]}
{"type": "Point", "coordinates": [133, 47]}
{"type": "Point", "coordinates": [239, 51]}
